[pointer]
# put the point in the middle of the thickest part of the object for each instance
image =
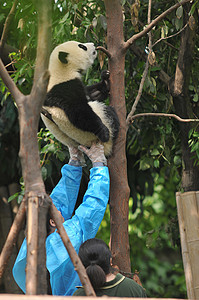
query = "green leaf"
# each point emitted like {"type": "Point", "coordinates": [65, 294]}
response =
{"type": "Point", "coordinates": [49, 148]}
{"type": "Point", "coordinates": [144, 164]}
{"type": "Point", "coordinates": [64, 19]}
{"type": "Point", "coordinates": [179, 12]}
{"type": "Point", "coordinates": [156, 163]}
{"type": "Point", "coordinates": [195, 98]}
{"type": "Point", "coordinates": [195, 147]}
{"type": "Point", "coordinates": [44, 172]}
{"type": "Point", "coordinates": [177, 160]}
{"type": "Point", "coordinates": [155, 152]}
{"type": "Point", "coordinates": [13, 197]}
{"type": "Point", "coordinates": [61, 155]}
{"type": "Point", "coordinates": [178, 23]}
{"type": "Point", "coordinates": [193, 7]}
{"type": "Point", "coordinates": [1, 17]}
{"type": "Point", "coordinates": [155, 68]}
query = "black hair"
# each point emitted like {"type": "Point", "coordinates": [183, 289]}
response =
{"type": "Point", "coordinates": [95, 256]}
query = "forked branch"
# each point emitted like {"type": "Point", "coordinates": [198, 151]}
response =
{"type": "Point", "coordinates": [135, 37]}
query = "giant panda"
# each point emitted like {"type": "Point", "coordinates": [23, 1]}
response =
{"type": "Point", "coordinates": [69, 111]}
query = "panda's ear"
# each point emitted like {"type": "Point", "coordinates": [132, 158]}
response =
{"type": "Point", "coordinates": [63, 57]}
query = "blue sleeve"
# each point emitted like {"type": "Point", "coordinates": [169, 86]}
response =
{"type": "Point", "coordinates": [91, 212]}
{"type": "Point", "coordinates": [64, 195]}
{"type": "Point", "coordinates": [82, 226]}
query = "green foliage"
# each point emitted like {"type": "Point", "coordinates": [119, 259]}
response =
{"type": "Point", "coordinates": [154, 241]}
{"type": "Point", "coordinates": [51, 152]}
{"type": "Point", "coordinates": [194, 145]}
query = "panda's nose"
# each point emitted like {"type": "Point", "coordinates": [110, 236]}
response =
{"type": "Point", "coordinates": [94, 52]}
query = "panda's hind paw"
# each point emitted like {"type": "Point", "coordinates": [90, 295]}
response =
{"type": "Point", "coordinates": [103, 134]}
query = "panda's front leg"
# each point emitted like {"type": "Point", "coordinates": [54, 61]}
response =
{"type": "Point", "coordinates": [85, 119]}
{"type": "Point", "coordinates": [99, 91]}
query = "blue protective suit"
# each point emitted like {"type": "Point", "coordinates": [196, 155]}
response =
{"type": "Point", "coordinates": [82, 226]}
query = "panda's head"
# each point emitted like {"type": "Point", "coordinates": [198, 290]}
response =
{"type": "Point", "coordinates": [69, 60]}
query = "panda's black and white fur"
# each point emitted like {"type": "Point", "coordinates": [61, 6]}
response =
{"type": "Point", "coordinates": [69, 111]}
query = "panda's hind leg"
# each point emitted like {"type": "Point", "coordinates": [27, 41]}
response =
{"type": "Point", "coordinates": [86, 119]}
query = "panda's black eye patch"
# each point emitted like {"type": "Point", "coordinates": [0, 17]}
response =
{"type": "Point", "coordinates": [63, 57]}
{"type": "Point", "coordinates": [83, 47]}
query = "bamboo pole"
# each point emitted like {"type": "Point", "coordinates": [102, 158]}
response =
{"type": "Point", "coordinates": [189, 202]}
{"type": "Point", "coordinates": [184, 248]}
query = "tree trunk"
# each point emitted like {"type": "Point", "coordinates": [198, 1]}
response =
{"type": "Point", "coordinates": [179, 89]}
{"type": "Point", "coordinates": [119, 190]}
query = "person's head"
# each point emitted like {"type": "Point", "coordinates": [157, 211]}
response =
{"type": "Point", "coordinates": [50, 224]}
{"type": "Point", "coordinates": [96, 258]}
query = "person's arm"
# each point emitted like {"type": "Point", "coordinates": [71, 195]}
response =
{"type": "Point", "coordinates": [83, 225]}
{"type": "Point", "coordinates": [91, 212]}
{"type": "Point", "coordinates": [64, 195]}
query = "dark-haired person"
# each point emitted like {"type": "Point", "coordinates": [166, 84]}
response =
{"type": "Point", "coordinates": [82, 226]}
{"type": "Point", "coordinates": [96, 258]}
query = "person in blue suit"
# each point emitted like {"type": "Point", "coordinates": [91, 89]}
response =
{"type": "Point", "coordinates": [81, 227]}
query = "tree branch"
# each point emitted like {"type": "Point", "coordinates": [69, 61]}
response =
{"type": "Point", "coordinates": [12, 238]}
{"type": "Point", "coordinates": [130, 41]}
{"type": "Point", "coordinates": [15, 92]}
{"type": "Point", "coordinates": [7, 25]}
{"type": "Point", "coordinates": [44, 39]}
{"type": "Point", "coordinates": [104, 50]}
{"type": "Point", "coordinates": [168, 37]}
{"type": "Point", "coordinates": [130, 115]}
{"type": "Point", "coordinates": [17, 95]}
{"type": "Point", "coordinates": [162, 115]}
{"type": "Point", "coordinates": [145, 71]}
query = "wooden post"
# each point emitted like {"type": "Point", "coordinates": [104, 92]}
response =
{"type": "Point", "coordinates": [184, 249]}
{"type": "Point", "coordinates": [188, 216]}
{"type": "Point", "coordinates": [32, 245]}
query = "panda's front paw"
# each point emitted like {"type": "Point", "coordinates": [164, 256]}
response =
{"type": "Point", "coordinates": [105, 74]}
{"type": "Point", "coordinates": [103, 134]}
